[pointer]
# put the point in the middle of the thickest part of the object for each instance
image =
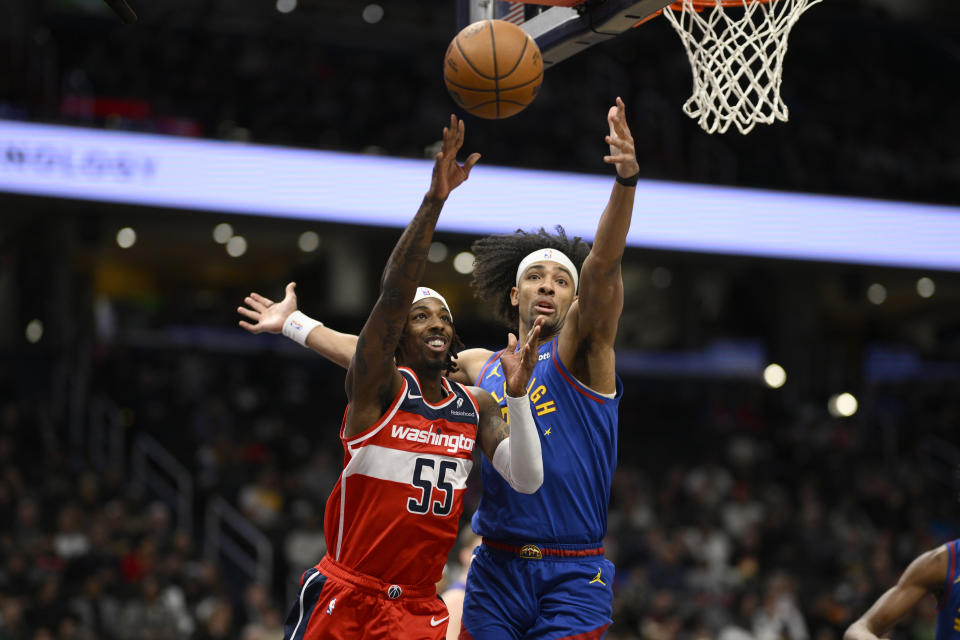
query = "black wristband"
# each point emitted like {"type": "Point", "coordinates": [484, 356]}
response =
{"type": "Point", "coordinates": [629, 182]}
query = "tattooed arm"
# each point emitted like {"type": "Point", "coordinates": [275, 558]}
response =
{"type": "Point", "coordinates": [372, 378]}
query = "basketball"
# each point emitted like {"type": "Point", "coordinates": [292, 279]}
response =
{"type": "Point", "coordinates": [493, 69]}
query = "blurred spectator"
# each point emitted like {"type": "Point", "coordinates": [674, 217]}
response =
{"type": "Point", "coordinates": [12, 624]}
{"type": "Point", "coordinates": [148, 617]}
{"type": "Point", "coordinates": [261, 500]}
{"type": "Point", "coordinates": [305, 544]}
{"type": "Point", "coordinates": [216, 620]}
{"type": "Point", "coordinates": [71, 539]}
{"type": "Point", "coordinates": [779, 616]}
{"type": "Point", "coordinates": [740, 624]}
{"type": "Point", "coordinates": [96, 611]}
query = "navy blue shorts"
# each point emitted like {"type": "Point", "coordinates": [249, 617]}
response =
{"type": "Point", "coordinates": [510, 596]}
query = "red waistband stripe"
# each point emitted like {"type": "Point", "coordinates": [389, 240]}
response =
{"type": "Point", "coordinates": [537, 552]}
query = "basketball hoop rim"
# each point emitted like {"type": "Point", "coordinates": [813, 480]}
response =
{"type": "Point", "coordinates": [700, 5]}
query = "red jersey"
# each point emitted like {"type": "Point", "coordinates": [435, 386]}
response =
{"type": "Point", "coordinates": [395, 510]}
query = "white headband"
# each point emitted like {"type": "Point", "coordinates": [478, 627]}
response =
{"type": "Point", "coordinates": [553, 255]}
{"type": "Point", "coordinates": [427, 292]}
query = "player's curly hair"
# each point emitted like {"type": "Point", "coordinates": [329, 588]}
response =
{"type": "Point", "coordinates": [456, 346]}
{"type": "Point", "coordinates": [497, 259]}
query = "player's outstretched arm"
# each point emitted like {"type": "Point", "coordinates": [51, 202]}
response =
{"type": "Point", "coordinates": [594, 318]}
{"type": "Point", "coordinates": [601, 286]}
{"type": "Point", "coordinates": [283, 317]}
{"type": "Point", "coordinates": [372, 377]}
{"type": "Point", "coordinates": [514, 450]}
{"type": "Point", "coordinates": [925, 574]}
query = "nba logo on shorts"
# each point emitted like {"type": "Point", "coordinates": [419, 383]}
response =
{"type": "Point", "coordinates": [330, 606]}
{"type": "Point", "coordinates": [394, 592]}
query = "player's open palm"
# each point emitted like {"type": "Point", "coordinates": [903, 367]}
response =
{"type": "Point", "coordinates": [267, 315]}
{"type": "Point", "coordinates": [622, 151]}
{"type": "Point", "coordinates": [518, 362]}
{"type": "Point", "coordinates": [447, 173]}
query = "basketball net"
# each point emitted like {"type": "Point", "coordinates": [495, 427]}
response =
{"type": "Point", "coordinates": [737, 63]}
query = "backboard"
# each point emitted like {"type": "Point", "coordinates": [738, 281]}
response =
{"type": "Point", "coordinates": [736, 48]}
{"type": "Point", "coordinates": [562, 28]}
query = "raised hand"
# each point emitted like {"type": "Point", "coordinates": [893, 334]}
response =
{"type": "Point", "coordinates": [447, 174]}
{"type": "Point", "coordinates": [622, 152]}
{"type": "Point", "coordinates": [267, 315]}
{"type": "Point", "coordinates": [518, 363]}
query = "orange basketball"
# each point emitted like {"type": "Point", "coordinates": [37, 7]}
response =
{"type": "Point", "coordinates": [493, 69]}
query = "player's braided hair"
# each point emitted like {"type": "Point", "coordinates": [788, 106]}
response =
{"type": "Point", "coordinates": [450, 366]}
{"type": "Point", "coordinates": [497, 259]}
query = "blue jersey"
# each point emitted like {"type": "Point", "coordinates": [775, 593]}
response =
{"type": "Point", "coordinates": [948, 609]}
{"type": "Point", "coordinates": [578, 437]}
